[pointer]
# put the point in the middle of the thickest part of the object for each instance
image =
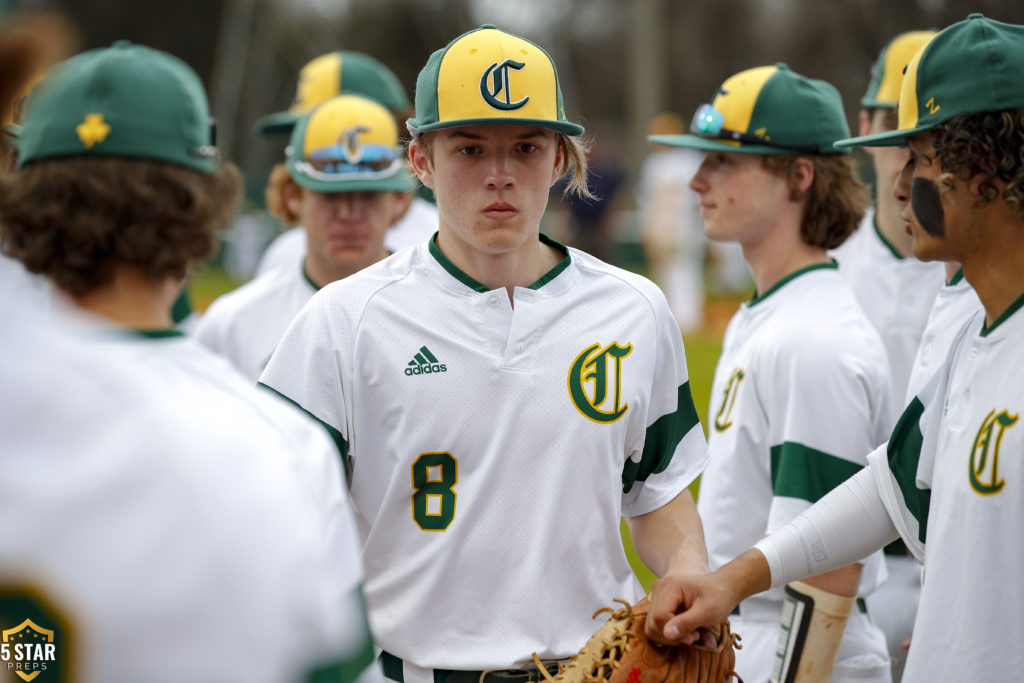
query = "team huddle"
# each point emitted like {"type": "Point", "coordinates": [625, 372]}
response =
{"type": "Point", "coordinates": [434, 417]}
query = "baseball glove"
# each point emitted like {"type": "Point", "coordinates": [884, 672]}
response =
{"type": "Point", "coordinates": [620, 653]}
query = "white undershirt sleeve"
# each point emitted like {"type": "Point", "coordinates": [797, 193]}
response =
{"type": "Point", "coordinates": [842, 528]}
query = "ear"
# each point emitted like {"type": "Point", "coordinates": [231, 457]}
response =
{"type": "Point", "coordinates": [559, 169]}
{"type": "Point", "coordinates": [402, 202]}
{"type": "Point", "coordinates": [863, 123]}
{"type": "Point", "coordinates": [864, 128]}
{"type": "Point", "coordinates": [421, 163]}
{"type": "Point", "coordinates": [803, 173]}
{"type": "Point", "coordinates": [292, 198]}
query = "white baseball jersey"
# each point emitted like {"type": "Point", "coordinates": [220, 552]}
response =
{"type": "Point", "coordinates": [953, 482]}
{"type": "Point", "coordinates": [954, 304]}
{"type": "Point", "coordinates": [245, 325]}
{"type": "Point", "coordinates": [895, 293]}
{"type": "Point", "coordinates": [800, 397]}
{"type": "Point", "coordinates": [150, 538]}
{"type": "Point", "coordinates": [18, 287]}
{"type": "Point", "coordinates": [415, 227]}
{"type": "Point", "coordinates": [495, 448]}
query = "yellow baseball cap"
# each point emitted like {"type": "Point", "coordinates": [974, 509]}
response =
{"type": "Point", "coordinates": [488, 76]}
{"type": "Point", "coordinates": [887, 71]}
{"type": "Point", "coordinates": [348, 144]}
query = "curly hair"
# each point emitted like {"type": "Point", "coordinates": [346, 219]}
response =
{"type": "Point", "coordinates": [574, 161]}
{"type": "Point", "coordinates": [835, 201]}
{"type": "Point", "coordinates": [78, 220]}
{"type": "Point", "coordinates": [988, 144]}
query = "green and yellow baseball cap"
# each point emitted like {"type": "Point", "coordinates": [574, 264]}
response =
{"type": "Point", "coordinates": [122, 101]}
{"type": "Point", "coordinates": [489, 76]}
{"type": "Point", "coordinates": [337, 73]}
{"type": "Point", "coordinates": [973, 66]}
{"type": "Point", "coordinates": [348, 144]}
{"type": "Point", "coordinates": [887, 71]}
{"type": "Point", "coordinates": [767, 110]}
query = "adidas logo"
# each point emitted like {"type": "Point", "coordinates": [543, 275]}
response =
{"type": "Point", "coordinates": [425, 363]}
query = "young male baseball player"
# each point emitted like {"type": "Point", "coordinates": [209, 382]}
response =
{"type": "Point", "coordinates": [118, 192]}
{"type": "Point", "coordinates": [801, 390]}
{"type": "Point", "coordinates": [503, 400]}
{"type": "Point", "coordinates": [345, 183]}
{"type": "Point", "coordinates": [894, 289]}
{"type": "Point", "coordinates": [896, 292]}
{"type": "Point", "coordinates": [947, 482]}
{"type": "Point", "coordinates": [149, 539]}
{"type": "Point", "coordinates": [327, 76]}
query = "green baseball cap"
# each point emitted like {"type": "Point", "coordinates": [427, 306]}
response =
{"type": "Point", "coordinates": [337, 73]}
{"type": "Point", "coordinates": [348, 144]}
{"type": "Point", "coordinates": [976, 65]}
{"type": "Point", "coordinates": [887, 71]}
{"type": "Point", "coordinates": [767, 110]}
{"type": "Point", "coordinates": [122, 101]}
{"type": "Point", "coordinates": [487, 76]}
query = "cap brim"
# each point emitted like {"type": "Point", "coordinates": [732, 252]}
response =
{"type": "Point", "coordinates": [278, 122]}
{"type": "Point", "coordinates": [399, 182]}
{"type": "Point", "coordinates": [892, 138]}
{"type": "Point", "coordinates": [557, 126]}
{"type": "Point", "coordinates": [713, 145]}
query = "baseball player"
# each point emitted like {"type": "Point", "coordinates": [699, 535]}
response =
{"type": "Point", "coordinates": [149, 539]}
{"type": "Point", "coordinates": [896, 291]}
{"type": "Point", "coordinates": [947, 482]}
{"type": "Point", "coordinates": [801, 390]}
{"type": "Point", "coordinates": [894, 288]}
{"type": "Point", "coordinates": [118, 192]}
{"type": "Point", "coordinates": [502, 400]}
{"type": "Point", "coordinates": [329, 75]}
{"type": "Point", "coordinates": [344, 181]}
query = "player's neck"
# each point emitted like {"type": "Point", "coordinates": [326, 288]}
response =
{"type": "Point", "coordinates": [892, 228]}
{"type": "Point", "coordinates": [780, 256]}
{"type": "Point", "coordinates": [133, 301]}
{"type": "Point", "coordinates": [322, 273]}
{"type": "Point", "coordinates": [994, 262]}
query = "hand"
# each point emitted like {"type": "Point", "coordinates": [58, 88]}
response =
{"type": "Point", "coordinates": [682, 605]}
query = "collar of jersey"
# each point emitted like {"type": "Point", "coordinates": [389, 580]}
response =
{"type": "Point", "coordinates": [758, 298]}
{"type": "Point", "coordinates": [1003, 317]}
{"type": "Point", "coordinates": [887, 243]}
{"type": "Point", "coordinates": [157, 334]}
{"type": "Point", "coordinates": [307, 278]}
{"type": "Point", "coordinates": [957, 277]}
{"type": "Point", "coordinates": [470, 282]}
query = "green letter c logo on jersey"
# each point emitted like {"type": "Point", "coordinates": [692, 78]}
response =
{"type": "Point", "coordinates": [501, 83]}
{"type": "Point", "coordinates": [591, 367]}
{"type": "Point", "coordinates": [984, 465]}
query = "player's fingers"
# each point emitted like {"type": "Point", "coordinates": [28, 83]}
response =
{"type": "Point", "coordinates": [665, 599]}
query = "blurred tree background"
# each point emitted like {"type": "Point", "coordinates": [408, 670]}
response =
{"type": "Point", "coordinates": [620, 61]}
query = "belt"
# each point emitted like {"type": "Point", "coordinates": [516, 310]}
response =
{"type": "Point", "coordinates": [392, 667]}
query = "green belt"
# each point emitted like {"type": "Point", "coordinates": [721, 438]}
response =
{"type": "Point", "coordinates": [392, 667]}
{"type": "Point", "coordinates": [861, 605]}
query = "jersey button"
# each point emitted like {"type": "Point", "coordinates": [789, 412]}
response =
{"type": "Point", "coordinates": [492, 301]}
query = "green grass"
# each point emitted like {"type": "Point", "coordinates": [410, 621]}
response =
{"type": "Point", "coordinates": [702, 351]}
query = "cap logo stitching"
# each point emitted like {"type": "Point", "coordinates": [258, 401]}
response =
{"type": "Point", "coordinates": [350, 145]}
{"type": "Point", "coordinates": [92, 130]}
{"type": "Point", "coordinates": [499, 85]}
{"type": "Point", "coordinates": [932, 107]}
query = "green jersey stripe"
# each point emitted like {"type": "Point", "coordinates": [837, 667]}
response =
{"type": "Point", "coordinates": [904, 453]}
{"type": "Point", "coordinates": [662, 439]}
{"type": "Point", "coordinates": [802, 472]}
{"type": "Point", "coordinates": [758, 298]}
{"type": "Point", "coordinates": [335, 435]}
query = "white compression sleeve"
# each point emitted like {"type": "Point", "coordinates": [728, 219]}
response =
{"type": "Point", "coordinates": [842, 528]}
